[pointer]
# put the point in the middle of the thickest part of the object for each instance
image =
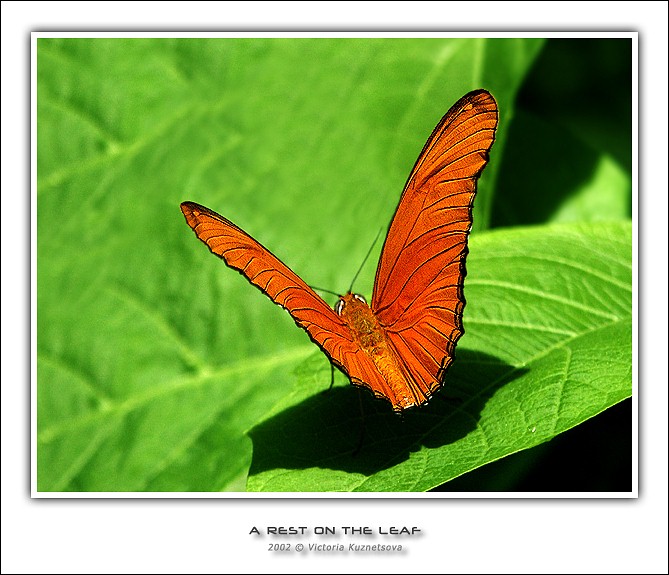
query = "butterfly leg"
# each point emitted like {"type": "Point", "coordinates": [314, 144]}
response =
{"type": "Point", "coordinates": [362, 425]}
{"type": "Point", "coordinates": [451, 399]}
{"type": "Point", "coordinates": [331, 376]}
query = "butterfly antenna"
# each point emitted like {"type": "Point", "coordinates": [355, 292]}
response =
{"type": "Point", "coordinates": [325, 290]}
{"type": "Point", "coordinates": [369, 251]}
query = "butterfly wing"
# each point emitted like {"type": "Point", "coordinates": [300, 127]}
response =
{"type": "Point", "coordinates": [283, 286]}
{"type": "Point", "coordinates": [418, 291]}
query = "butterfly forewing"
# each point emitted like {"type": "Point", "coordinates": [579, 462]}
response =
{"type": "Point", "coordinates": [418, 291]}
{"type": "Point", "coordinates": [264, 270]}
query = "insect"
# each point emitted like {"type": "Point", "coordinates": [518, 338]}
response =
{"type": "Point", "coordinates": [401, 345]}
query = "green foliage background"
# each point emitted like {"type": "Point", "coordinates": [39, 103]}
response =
{"type": "Point", "coordinates": [161, 370]}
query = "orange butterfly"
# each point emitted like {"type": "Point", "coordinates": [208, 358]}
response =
{"type": "Point", "coordinates": [401, 346]}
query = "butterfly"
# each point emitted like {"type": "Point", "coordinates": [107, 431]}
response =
{"type": "Point", "coordinates": [401, 345]}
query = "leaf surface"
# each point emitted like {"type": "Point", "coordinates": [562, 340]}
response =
{"type": "Point", "coordinates": [153, 359]}
{"type": "Point", "coordinates": [548, 345]}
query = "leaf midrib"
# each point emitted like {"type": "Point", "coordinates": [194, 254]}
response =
{"type": "Point", "coordinates": [111, 408]}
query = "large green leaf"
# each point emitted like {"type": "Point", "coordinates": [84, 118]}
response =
{"type": "Point", "coordinates": [152, 358]}
{"type": "Point", "coordinates": [548, 346]}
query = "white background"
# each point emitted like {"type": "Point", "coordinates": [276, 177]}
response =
{"type": "Point", "coordinates": [458, 535]}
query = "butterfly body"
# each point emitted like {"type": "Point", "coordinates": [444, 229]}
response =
{"type": "Point", "coordinates": [400, 345]}
{"type": "Point", "coordinates": [371, 338]}
{"type": "Point", "coordinates": [360, 319]}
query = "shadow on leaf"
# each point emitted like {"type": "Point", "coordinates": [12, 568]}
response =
{"type": "Point", "coordinates": [324, 430]}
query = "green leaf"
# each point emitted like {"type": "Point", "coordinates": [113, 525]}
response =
{"type": "Point", "coordinates": [569, 145]}
{"type": "Point", "coordinates": [153, 359]}
{"type": "Point", "coordinates": [548, 345]}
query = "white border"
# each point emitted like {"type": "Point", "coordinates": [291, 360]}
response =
{"type": "Point", "coordinates": [461, 536]}
{"type": "Point", "coordinates": [334, 34]}
{"type": "Point", "coordinates": [318, 495]}
{"type": "Point", "coordinates": [635, 265]}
